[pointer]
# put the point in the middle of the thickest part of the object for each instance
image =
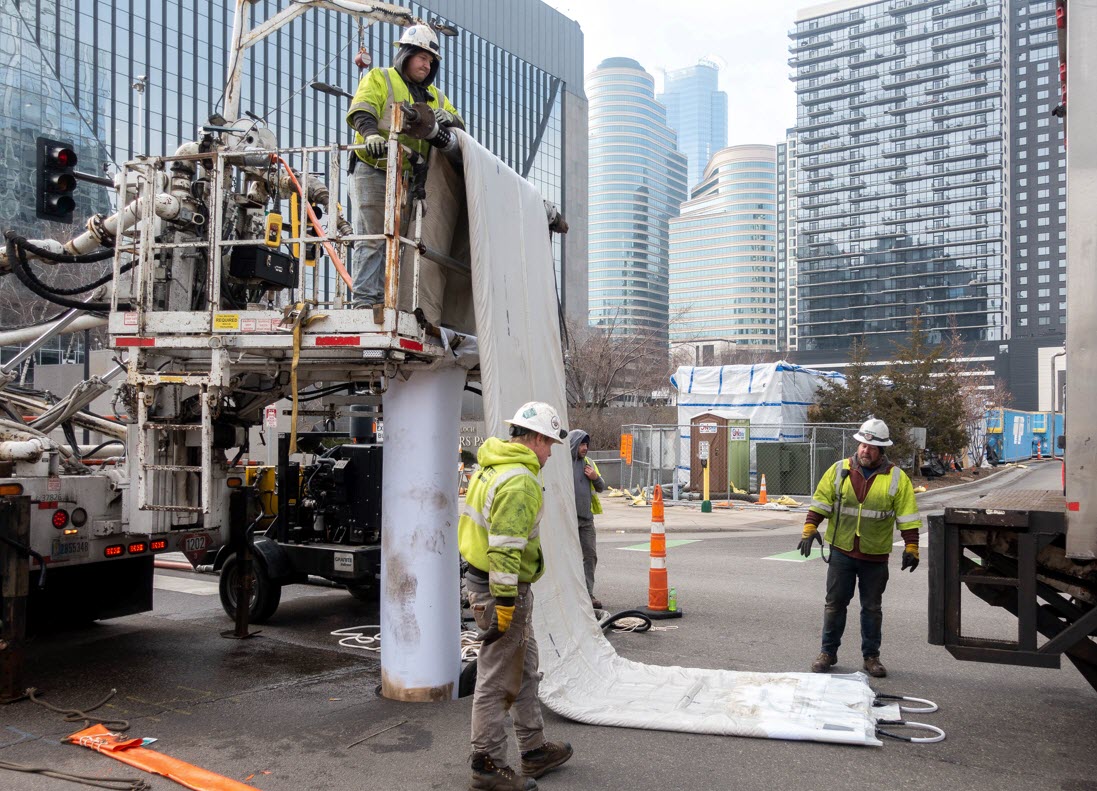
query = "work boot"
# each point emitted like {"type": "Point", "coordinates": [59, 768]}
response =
{"type": "Point", "coordinates": [596, 603]}
{"type": "Point", "coordinates": [489, 776]}
{"type": "Point", "coordinates": [874, 668]}
{"type": "Point", "coordinates": [823, 663]}
{"type": "Point", "coordinates": [548, 756]}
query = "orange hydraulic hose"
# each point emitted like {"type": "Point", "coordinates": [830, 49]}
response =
{"type": "Point", "coordinates": [335, 259]}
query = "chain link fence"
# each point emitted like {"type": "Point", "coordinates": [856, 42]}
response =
{"type": "Point", "coordinates": [792, 457]}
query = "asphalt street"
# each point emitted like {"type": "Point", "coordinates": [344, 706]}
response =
{"type": "Point", "coordinates": [292, 709]}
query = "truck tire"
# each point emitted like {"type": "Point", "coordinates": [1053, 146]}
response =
{"type": "Point", "coordinates": [265, 596]}
{"type": "Point", "coordinates": [370, 594]}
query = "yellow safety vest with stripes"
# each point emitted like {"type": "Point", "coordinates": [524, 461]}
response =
{"type": "Point", "coordinates": [499, 529]}
{"type": "Point", "coordinates": [377, 92]}
{"type": "Point", "coordinates": [889, 505]}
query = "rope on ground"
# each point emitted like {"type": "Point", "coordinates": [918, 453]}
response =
{"type": "Point", "coordinates": [356, 637]}
{"type": "Point", "coordinates": [94, 781]}
{"type": "Point", "coordinates": [76, 715]}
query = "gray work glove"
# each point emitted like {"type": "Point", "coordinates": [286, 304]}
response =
{"type": "Point", "coordinates": [376, 146]}
{"type": "Point", "coordinates": [444, 117]}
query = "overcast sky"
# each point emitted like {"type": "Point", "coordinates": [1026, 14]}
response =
{"type": "Point", "coordinates": [749, 38]}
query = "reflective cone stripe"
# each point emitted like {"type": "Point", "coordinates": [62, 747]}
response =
{"type": "Point", "coordinates": [762, 499]}
{"type": "Point", "coordinates": [129, 750]}
{"type": "Point", "coordinates": [657, 574]}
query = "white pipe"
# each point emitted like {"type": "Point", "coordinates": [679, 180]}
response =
{"type": "Point", "coordinates": [23, 450]}
{"type": "Point", "coordinates": [28, 334]}
{"type": "Point", "coordinates": [420, 588]}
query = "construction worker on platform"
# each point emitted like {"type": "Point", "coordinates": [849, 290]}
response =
{"type": "Point", "coordinates": [864, 499]}
{"type": "Point", "coordinates": [498, 534]}
{"type": "Point", "coordinates": [588, 482]}
{"type": "Point", "coordinates": [410, 79]}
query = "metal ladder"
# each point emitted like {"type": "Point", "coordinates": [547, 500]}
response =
{"type": "Point", "coordinates": [148, 429]}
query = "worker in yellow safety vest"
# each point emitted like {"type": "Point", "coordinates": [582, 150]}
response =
{"type": "Point", "coordinates": [411, 79]}
{"type": "Point", "coordinates": [499, 535]}
{"type": "Point", "coordinates": [588, 482]}
{"type": "Point", "coordinates": [864, 498]}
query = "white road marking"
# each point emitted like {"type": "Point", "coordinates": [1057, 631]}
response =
{"type": "Point", "coordinates": [199, 587]}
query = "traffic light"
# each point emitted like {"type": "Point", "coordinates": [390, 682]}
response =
{"type": "Point", "coordinates": [56, 180]}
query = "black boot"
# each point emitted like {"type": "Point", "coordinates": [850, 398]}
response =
{"type": "Point", "coordinates": [489, 776]}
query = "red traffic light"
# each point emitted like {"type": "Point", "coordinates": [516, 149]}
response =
{"type": "Point", "coordinates": [56, 180]}
{"type": "Point", "coordinates": [61, 156]}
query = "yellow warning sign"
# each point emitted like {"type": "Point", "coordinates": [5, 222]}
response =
{"type": "Point", "coordinates": [226, 321]}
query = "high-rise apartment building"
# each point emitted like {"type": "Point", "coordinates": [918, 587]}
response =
{"type": "Point", "coordinates": [903, 162]}
{"type": "Point", "coordinates": [698, 111]}
{"type": "Point", "coordinates": [637, 183]}
{"type": "Point", "coordinates": [514, 70]}
{"type": "Point", "coordinates": [786, 243]}
{"type": "Point", "coordinates": [931, 180]}
{"type": "Point", "coordinates": [723, 258]}
{"type": "Point", "coordinates": [1037, 204]}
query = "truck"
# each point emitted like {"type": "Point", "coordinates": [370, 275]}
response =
{"type": "Point", "coordinates": [1034, 553]}
{"type": "Point", "coordinates": [216, 314]}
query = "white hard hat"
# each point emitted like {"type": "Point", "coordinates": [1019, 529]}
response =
{"type": "Point", "coordinates": [423, 37]}
{"type": "Point", "coordinates": [874, 432]}
{"type": "Point", "coordinates": [539, 417]}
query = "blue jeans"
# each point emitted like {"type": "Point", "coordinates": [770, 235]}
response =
{"type": "Point", "coordinates": [870, 578]}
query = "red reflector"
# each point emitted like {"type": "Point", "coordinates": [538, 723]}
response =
{"type": "Point", "coordinates": [47, 505]}
{"type": "Point", "coordinates": [60, 518]}
{"type": "Point", "coordinates": [137, 547]}
{"type": "Point", "coordinates": [414, 346]}
{"type": "Point", "coordinates": [157, 545]}
{"type": "Point", "coordinates": [1074, 506]}
{"type": "Point", "coordinates": [338, 340]}
{"type": "Point", "coordinates": [113, 551]}
{"type": "Point", "coordinates": [134, 341]}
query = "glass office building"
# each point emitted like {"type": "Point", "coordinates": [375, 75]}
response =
{"type": "Point", "coordinates": [902, 134]}
{"type": "Point", "coordinates": [698, 111]}
{"type": "Point", "coordinates": [723, 257]}
{"type": "Point", "coordinates": [637, 183]}
{"type": "Point", "coordinates": [514, 70]}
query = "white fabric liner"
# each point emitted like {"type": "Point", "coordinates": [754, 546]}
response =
{"type": "Point", "coordinates": [584, 678]}
{"type": "Point", "coordinates": [774, 396]}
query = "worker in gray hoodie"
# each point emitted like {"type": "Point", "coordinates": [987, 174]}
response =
{"type": "Point", "coordinates": [587, 485]}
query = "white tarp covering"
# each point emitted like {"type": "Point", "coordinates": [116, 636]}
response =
{"type": "Point", "coordinates": [774, 396]}
{"type": "Point", "coordinates": [584, 678]}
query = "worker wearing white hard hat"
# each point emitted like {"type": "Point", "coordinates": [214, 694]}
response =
{"type": "Point", "coordinates": [410, 79]}
{"type": "Point", "coordinates": [498, 534]}
{"type": "Point", "coordinates": [864, 499]}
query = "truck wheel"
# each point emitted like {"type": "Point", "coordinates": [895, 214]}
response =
{"type": "Point", "coordinates": [265, 593]}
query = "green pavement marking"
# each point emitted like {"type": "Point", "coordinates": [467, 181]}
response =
{"type": "Point", "coordinates": [794, 556]}
{"type": "Point", "coordinates": [674, 542]}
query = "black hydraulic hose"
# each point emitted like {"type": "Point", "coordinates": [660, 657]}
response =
{"type": "Point", "coordinates": [102, 445]}
{"type": "Point", "coordinates": [60, 258]}
{"type": "Point", "coordinates": [611, 620]}
{"type": "Point", "coordinates": [26, 550]}
{"type": "Point", "coordinates": [17, 258]}
{"type": "Point", "coordinates": [67, 292]}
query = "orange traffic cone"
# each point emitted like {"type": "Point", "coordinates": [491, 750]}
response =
{"type": "Point", "coordinates": [762, 499]}
{"type": "Point", "coordinates": [1038, 444]}
{"type": "Point", "coordinates": [658, 599]}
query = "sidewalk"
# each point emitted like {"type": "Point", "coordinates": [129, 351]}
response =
{"type": "Point", "coordinates": [619, 516]}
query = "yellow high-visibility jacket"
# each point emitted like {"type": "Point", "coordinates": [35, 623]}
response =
{"type": "Point", "coordinates": [889, 505]}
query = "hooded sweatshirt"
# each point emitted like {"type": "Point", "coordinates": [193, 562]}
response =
{"type": "Point", "coordinates": [498, 530]}
{"type": "Point", "coordinates": [586, 501]}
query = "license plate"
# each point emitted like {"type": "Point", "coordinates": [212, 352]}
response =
{"type": "Point", "coordinates": [69, 549]}
{"type": "Point", "coordinates": [344, 561]}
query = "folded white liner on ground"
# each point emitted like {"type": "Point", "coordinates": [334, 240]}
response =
{"type": "Point", "coordinates": [584, 678]}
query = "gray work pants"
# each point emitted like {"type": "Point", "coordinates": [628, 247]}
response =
{"type": "Point", "coordinates": [588, 543]}
{"type": "Point", "coordinates": [506, 677]}
{"type": "Point", "coordinates": [369, 218]}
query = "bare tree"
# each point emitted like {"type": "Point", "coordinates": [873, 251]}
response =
{"type": "Point", "coordinates": [609, 363]}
